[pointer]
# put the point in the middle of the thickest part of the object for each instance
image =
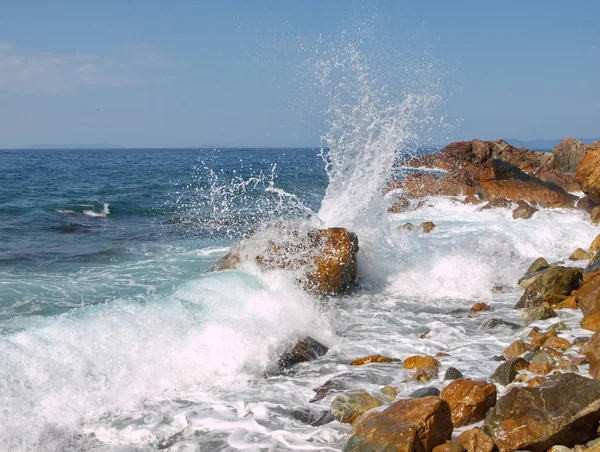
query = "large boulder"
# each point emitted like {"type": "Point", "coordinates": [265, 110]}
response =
{"type": "Point", "coordinates": [588, 174]}
{"type": "Point", "coordinates": [591, 350]}
{"type": "Point", "coordinates": [557, 280]}
{"type": "Point", "coordinates": [406, 426]}
{"type": "Point", "coordinates": [469, 400]}
{"type": "Point", "coordinates": [563, 410]}
{"type": "Point", "coordinates": [568, 154]}
{"type": "Point", "coordinates": [323, 260]}
{"type": "Point", "coordinates": [532, 191]}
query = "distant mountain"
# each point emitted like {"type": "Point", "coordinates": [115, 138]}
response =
{"type": "Point", "coordinates": [543, 145]}
{"type": "Point", "coordinates": [72, 146]}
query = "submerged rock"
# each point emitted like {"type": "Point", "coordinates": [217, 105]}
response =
{"type": "Point", "coordinates": [538, 313]}
{"type": "Point", "coordinates": [523, 211]}
{"type": "Point", "coordinates": [323, 259]}
{"type": "Point", "coordinates": [307, 349]}
{"type": "Point", "coordinates": [405, 426]}
{"type": "Point", "coordinates": [557, 280]}
{"type": "Point", "coordinates": [469, 400]}
{"type": "Point", "coordinates": [563, 410]}
{"type": "Point", "coordinates": [427, 227]}
{"type": "Point", "coordinates": [495, 323]}
{"type": "Point", "coordinates": [373, 359]}
{"type": "Point", "coordinates": [349, 406]}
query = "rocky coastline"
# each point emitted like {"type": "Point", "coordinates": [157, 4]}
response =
{"type": "Point", "coordinates": [545, 393]}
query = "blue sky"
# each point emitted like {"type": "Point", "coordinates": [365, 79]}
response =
{"type": "Point", "coordinates": [234, 73]}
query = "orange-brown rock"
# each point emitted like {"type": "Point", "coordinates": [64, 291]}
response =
{"type": "Point", "coordinates": [405, 426]}
{"type": "Point", "coordinates": [535, 381]}
{"type": "Point", "coordinates": [591, 350]}
{"type": "Point", "coordinates": [538, 341]}
{"type": "Point", "coordinates": [449, 446]}
{"type": "Point", "coordinates": [557, 343]}
{"type": "Point", "coordinates": [481, 306]}
{"type": "Point", "coordinates": [420, 362]}
{"type": "Point", "coordinates": [475, 440]}
{"type": "Point", "coordinates": [563, 410]}
{"type": "Point", "coordinates": [595, 215]}
{"type": "Point", "coordinates": [591, 320]}
{"type": "Point", "coordinates": [535, 331]}
{"type": "Point", "coordinates": [419, 185]}
{"type": "Point", "coordinates": [524, 190]}
{"type": "Point", "coordinates": [588, 295]}
{"type": "Point", "coordinates": [568, 303]}
{"type": "Point", "coordinates": [426, 227]}
{"type": "Point", "coordinates": [373, 359]}
{"type": "Point", "coordinates": [406, 227]}
{"type": "Point", "coordinates": [469, 400]}
{"type": "Point", "coordinates": [540, 369]}
{"type": "Point", "coordinates": [588, 174]}
{"type": "Point", "coordinates": [595, 245]}
{"type": "Point", "coordinates": [580, 255]}
{"type": "Point", "coordinates": [517, 348]}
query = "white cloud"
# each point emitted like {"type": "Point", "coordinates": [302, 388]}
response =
{"type": "Point", "coordinates": [34, 71]}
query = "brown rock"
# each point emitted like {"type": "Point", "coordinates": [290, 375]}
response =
{"type": "Point", "coordinates": [499, 203]}
{"type": "Point", "coordinates": [420, 362]}
{"type": "Point", "coordinates": [427, 227]}
{"type": "Point", "coordinates": [563, 410]}
{"type": "Point", "coordinates": [506, 372]}
{"type": "Point", "coordinates": [585, 203]}
{"type": "Point", "coordinates": [535, 381]}
{"type": "Point", "coordinates": [373, 359]}
{"type": "Point", "coordinates": [557, 343]}
{"type": "Point", "coordinates": [449, 446]}
{"type": "Point", "coordinates": [531, 191]}
{"type": "Point", "coordinates": [557, 280]}
{"type": "Point", "coordinates": [481, 306]}
{"type": "Point", "coordinates": [307, 349]}
{"type": "Point", "coordinates": [523, 211]}
{"type": "Point", "coordinates": [406, 226]}
{"type": "Point", "coordinates": [405, 426]}
{"type": "Point", "coordinates": [591, 350]}
{"type": "Point", "coordinates": [400, 205]}
{"type": "Point", "coordinates": [541, 338]}
{"type": "Point", "coordinates": [475, 440]}
{"type": "Point", "coordinates": [469, 400]}
{"type": "Point", "coordinates": [349, 406]}
{"type": "Point", "coordinates": [580, 255]}
{"type": "Point", "coordinates": [595, 245]}
{"type": "Point", "coordinates": [568, 303]}
{"type": "Point", "coordinates": [540, 369]}
{"type": "Point", "coordinates": [588, 175]}
{"type": "Point", "coordinates": [595, 215]}
{"type": "Point", "coordinates": [568, 154]}
{"type": "Point", "coordinates": [471, 199]}
{"type": "Point", "coordinates": [591, 320]}
{"type": "Point", "coordinates": [517, 348]}
{"type": "Point", "coordinates": [588, 295]}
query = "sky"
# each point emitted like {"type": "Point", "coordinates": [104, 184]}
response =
{"type": "Point", "coordinates": [146, 73]}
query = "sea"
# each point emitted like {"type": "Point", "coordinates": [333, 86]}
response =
{"type": "Point", "coordinates": [117, 335]}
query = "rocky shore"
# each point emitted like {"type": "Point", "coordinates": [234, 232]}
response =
{"type": "Point", "coordinates": [545, 392]}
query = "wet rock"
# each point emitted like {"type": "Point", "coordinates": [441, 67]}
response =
{"type": "Point", "coordinates": [373, 359]}
{"type": "Point", "coordinates": [595, 245]}
{"type": "Point", "coordinates": [347, 407]}
{"type": "Point", "coordinates": [542, 358]}
{"type": "Point", "coordinates": [568, 303]}
{"type": "Point", "coordinates": [325, 258]}
{"type": "Point", "coordinates": [426, 367]}
{"type": "Point", "coordinates": [594, 264]}
{"type": "Point", "coordinates": [449, 446]}
{"type": "Point", "coordinates": [452, 374]}
{"type": "Point", "coordinates": [475, 440]}
{"type": "Point", "coordinates": [313, 418]}
{"type": "Point", "coordinates": [539, 313]}
{"type": "Point", "coordinates": [400, 205]}
{"type": "Point", "coordinates": [427, 227]}
{"type": "Point", "coordinates": [588, 175]}
{"type": "Point", "coordinates": [523, 211]}
{"type": "Point", "coordinates": [390, 391]}
{"type": "Point", "coordinates": [517, 348]}
{"type": "Point", "coordinates": [591, 320]}
{"type": "Point", "coordinates": [405, 426]}
{"type": "Point", "coordinates": [538, 265]}
{"type": "Point", "coordinates": [479, 307]}
{"type": "Point", "coordinates": [595, 215]}
{"type": "Point", "coordinates": [568, 154]}
{"type": "Point", "coordinates": [406, 227]}
{"type": "Point", "coordinates": [307, 349]}
{"type": "Point", "coordinates": [557, 280]}
{"type": "Point", "coordinates": [591, 350]}
{"type": "Point", "coordinates": [496, 323]}
{"type": "Point", "coordinates": [424, 392]}
{"type": "Point", "coordinates": [506, 372]}
{"type": "Point", "coordinates": [469, 400]}
{"type": "Point", "coordinates": [585, 203]}
{"type": "Point", "coordinates": [588, 295]}
{"type": "Point", "coordinates": [531, 191]}
{"type": "Point", "coordinates": [580, 255]}
{"type": "Point", "coordinates": [557, 343]}
{"type": "Point", "coordinates": [563, 410]}
{"type": "Point", "coordinates": [500, 203]}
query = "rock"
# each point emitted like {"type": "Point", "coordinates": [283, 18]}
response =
{"type": "Point", "coordinates": [538, 265]}
{"type": "Point", "coordinates": [313, 418]}
{"type": "Point", "coordinates": [588, 295]}
{"type": "Point", "coordinates": [517, 348]}
{"type": "Point", "coordinates": [405, 426]}
{"type": "Point", "coordinates": [591, 350]}
{"type": "Point", "coordinates": [427, 227]}
{"type": "Point", "coordinates": [452, 374]}
{"type": "Point", "coordinates": [506, 372]}
{"type": "Point", "coordinates": [390, 391]}
{"type": "Point", "coordinates": [560, 326]}
{"type": "Point", "coordinates": [557, 280]}
{"type": "Point", "coordinates": [400, 205]}
{"type": "Point", "coordinates": [479, 307]}
{"type": "Point", "coordinates": [495, 323]}
{"type": "Point", "coordinates": [539, 313]}
{"type": "Point", "coordinates": [568, 154]}
{"type": "Point", "coordinates": [580, 255]}
{"type": "Point", "coordinates": [585, 203]}
{"type": "Point", "coordinates": [449, 446]}
{"type": "Point", "coordinates": [531, 191]}
{"type": "Point", "coordinates": [588, 175]}
{"type": "Point", "coordinates": [591, 320]}
{"type": "Point", "coordinates": [307, 349]}
{"type": "Point", "coordinates": [523, 211]}
{"type": "Point", "coordinates": [595, 215]}
{"type": "Point", "coordinates": [475, 440]}
{"type": "Point", "coordinates": [557, 343]}
{"type": "Point", "coordinates": [347, 407]}
{"type": "Point", "coordinates": [563, 410]}
{"type": "Point", "coordinates": [595, 245]}
{"type": "Point", "coordinates": [325, 257]}
{"type": "Point", "coordinates": [424, 392]}
{"type": "Point", "coordinates": [541, 358]}
{"type": "Point", "coordinates": [593, 265]}
{"type": "Point", "coordinates": [426, 367]}
{"type": "Point", "coordinates": [373, 359]}
{"type": "Point", "coordinates": [500, 203]}
{"type": "Point", "coordinates": [406, 227]}
{"type": "Point", "coordinates": [568, 303]}
{"type": "Point", "coordinates": [469, 400]}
